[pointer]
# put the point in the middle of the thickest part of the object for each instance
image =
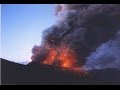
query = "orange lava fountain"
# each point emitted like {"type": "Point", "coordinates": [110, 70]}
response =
{"type": "Point", "coordinates": [62, 57]}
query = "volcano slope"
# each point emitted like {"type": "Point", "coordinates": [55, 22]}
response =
{"type": "Point", "coordinates": [39, 74]}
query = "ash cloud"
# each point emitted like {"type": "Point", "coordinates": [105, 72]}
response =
{"type": "Point", "coordinates": [85, 28]}
{"type": "Point", "coordinates": [106, 56]}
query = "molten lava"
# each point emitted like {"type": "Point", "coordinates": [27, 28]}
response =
{"type": "Point", "coordinates": [62, 57]}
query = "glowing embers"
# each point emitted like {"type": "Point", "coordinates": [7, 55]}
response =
{"type": "Point", "coordinates": [62, 57]}
{"type": "Point", "coordinates": [51, 57]}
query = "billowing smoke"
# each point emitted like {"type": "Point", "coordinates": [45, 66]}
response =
{"type": "Point", "coordinates": [90, 30]}
{"type": "Point", "coordinates": [106, 56]}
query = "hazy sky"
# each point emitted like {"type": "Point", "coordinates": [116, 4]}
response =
{"type": "Point", "coordinates": [21, 28]}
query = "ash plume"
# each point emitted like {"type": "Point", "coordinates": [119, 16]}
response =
{"type": "Point", "coordinates": [106, 55]}
{"type": "Point", "coordinates": [84, 28]}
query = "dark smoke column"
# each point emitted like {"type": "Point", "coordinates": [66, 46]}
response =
{"type": "Point", "coordinates": [83, 27]}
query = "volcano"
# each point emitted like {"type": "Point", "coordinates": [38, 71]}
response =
{"type": "Point", "coordinates": [40, 74]}
{"type": "Point", "coordinates": [84, 34]}
{"type": "Point", "coordinates": [85, 37]}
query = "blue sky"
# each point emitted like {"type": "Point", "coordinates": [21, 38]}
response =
{"type": "Point", "coordinates": [21, 28]}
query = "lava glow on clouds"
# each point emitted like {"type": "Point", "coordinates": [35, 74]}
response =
{"type": "Point", "coordinates": [62, 57]}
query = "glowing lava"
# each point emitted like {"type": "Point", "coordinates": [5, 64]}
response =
{"type": "Point", "coordinates": [62, 57]}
